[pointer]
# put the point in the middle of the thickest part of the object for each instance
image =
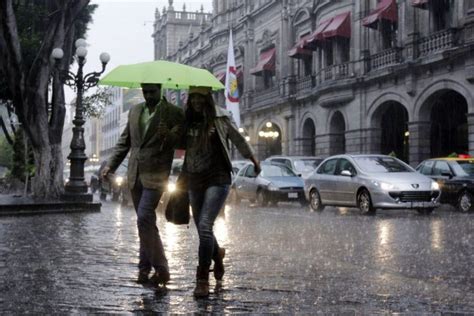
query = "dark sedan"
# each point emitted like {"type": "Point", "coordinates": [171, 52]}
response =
{"type": "Point", "coordinates": [455, 177]}
{"type": "Point", "coordinates": [274, 184]}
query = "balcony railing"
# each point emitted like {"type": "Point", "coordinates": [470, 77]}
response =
{"type": "Point", "coordinates": [339, 71]}
{"type": "Point", "coordinates": [304, 84]}
{"type": "Point", "coordinates": [385, 58]}
{"type": "Point", "coordinates": [265, 97]}
{"type": "Point", "coordinates": [436, 42]}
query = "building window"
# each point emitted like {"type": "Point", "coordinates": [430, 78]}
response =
{"type": "Point", "coordinates": [441, 12]}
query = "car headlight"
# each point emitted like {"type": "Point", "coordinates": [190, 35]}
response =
{"type": "Point", "coordinates": [273, 187]}
{"type": "Point", "coordinates": [119, 181]}
{"type": "Point", "coordinates": [434, 185]}
{"type": "Point", "coordinates": [384, 185]}
{"type": "Point", "coordinates": [171, 187]}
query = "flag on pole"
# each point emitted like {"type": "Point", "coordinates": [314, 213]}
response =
{"type": "Point", "coordinates": [231, 87]}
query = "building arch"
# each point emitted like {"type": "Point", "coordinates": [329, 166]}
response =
{"type": "Point", "coordinates": [337, 133]}
{"type": "Point", "coordinates": [422, 108]}
{"type": "Point", "coordinates": [390, 126]}
{"type": "Point", "coordinates": [307, 134]}
{"type": "Point", "coordinates": [380, 100]}
{"type": "Point", "coordinates": [301, 15]}
{"type": "Point", "coordinates": [269, 137]}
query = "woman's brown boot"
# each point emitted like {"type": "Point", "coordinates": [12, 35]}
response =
{"type": "Point", "coordinates": [202, 282]}
{"type": "Point", "coordinates": [219, 264]}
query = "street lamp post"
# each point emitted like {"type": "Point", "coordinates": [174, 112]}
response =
{"type": "Point", "coordinates": [76, 188]}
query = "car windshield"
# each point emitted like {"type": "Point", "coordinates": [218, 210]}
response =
{"type": "Point", "coordinates": [276, 171]}
{"type": "Point", "coordinates": [306, 164]}
{"type": "Point", "coordinates": [381, 165]}
{"type": "Point", "coordinates": [464, 168]}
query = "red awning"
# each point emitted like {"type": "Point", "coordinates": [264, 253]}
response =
{"type": "Point", "coordinates": [266, 62]}
{"type": "Point", "coordinates": [422, 4]}
{"type": "Point", "coordinates": [317, 35]}
{"type": "Point", "coordinates": [299, 50]}
{"type": "Point", "coordinates": [340, 26]}
{"type": "Point", "coordinates": [220, 76]}
{"type": "Point", "coordinates": [385, 10]}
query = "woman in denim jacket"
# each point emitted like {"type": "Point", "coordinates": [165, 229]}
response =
{"type": "Point", "coordinates": [208, 166]}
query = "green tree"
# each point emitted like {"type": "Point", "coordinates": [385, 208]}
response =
{"type": "Point", "coordinates": [6, 152]}
{"type": "Point", "coordinates": [29, 30]}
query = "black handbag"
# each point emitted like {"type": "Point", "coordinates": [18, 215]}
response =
{"type": "Point", "coordinates": [177, 210]}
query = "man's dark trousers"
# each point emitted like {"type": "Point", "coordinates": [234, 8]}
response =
{"type": "Point", "coordinates": [151, 248]}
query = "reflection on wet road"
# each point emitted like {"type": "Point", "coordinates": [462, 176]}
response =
{"type": "Point", "coordinates": [279, 260]}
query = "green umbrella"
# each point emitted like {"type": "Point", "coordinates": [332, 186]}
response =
{"type": "Point", "coordinates": [170, 75]}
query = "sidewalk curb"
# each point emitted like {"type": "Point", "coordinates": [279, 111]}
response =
{"type": "Point", "coordinates": [16, 206]}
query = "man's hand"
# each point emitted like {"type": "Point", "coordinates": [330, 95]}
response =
{"type": "Point", "coordinates": [162, 130]}
{"type": "Point", "coordinates": [257, 168]}
{"type": "Point", "coordinates": [105, 172]}
{"type": "Point", "coordinates": [256, 165]}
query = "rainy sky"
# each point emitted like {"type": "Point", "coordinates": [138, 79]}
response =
{"type": "Point", "coordinates": [123, 28]}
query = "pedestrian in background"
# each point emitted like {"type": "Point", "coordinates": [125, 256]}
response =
{"type": "Point", "coordinates": [208, 166]}
{"type": "Point", "coordinates": [152, 130]}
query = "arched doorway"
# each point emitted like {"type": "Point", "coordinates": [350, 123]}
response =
{"type": "Point", "coordinates": [393, 120]}
{"type": "Point", "coordinates": [449, 130]}
{"type": "Point", "coordinates": [269, 140]}
{"type": "Point", "coordinates": [309, 134]}
{"type": "Point", "coordinates": [337, 137]}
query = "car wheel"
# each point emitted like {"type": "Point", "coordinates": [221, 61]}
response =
{"type": "Point", "coordinates": [262, 198]}
{"type": "Point", "coordinates": [425, 211]}
{"type": "Point", "coordinates": [315, 201]}
{"type": "Point", "coordinates": [365, 203]}
{"type": "Point", "coordinates": [464, 202]}
{"type": "Point", "coordinates": [252, 201]}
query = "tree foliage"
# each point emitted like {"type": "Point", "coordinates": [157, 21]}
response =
{"type": "Point", "coordinates": [29, 30]}
{"type": "Point", "coordinates": [95, 104]}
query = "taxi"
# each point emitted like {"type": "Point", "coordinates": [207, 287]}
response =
{"type": "Point", "coordinates": [455, 176]}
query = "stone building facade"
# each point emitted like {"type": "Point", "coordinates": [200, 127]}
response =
{"type": "Point", "coordinates": [327, 77]}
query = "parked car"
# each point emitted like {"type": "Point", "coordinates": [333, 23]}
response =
{"type": "Point", "coordinates": [275, 183]}
{"type": "Point", "coordinates": [116, 185]}
{"type": "Point", "coordinates": [237, 165]}
{"type": "Point", "coordinates": [303, 165]}
{"type": "Point", "coordinates": [455, 177]}
{"type": "Point", "coordinates": [370, 182]}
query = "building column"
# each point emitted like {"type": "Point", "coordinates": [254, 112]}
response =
{"type": "Point", "coordinates": [353, 141]}
{"type": "Point", "coordinates": [288, 147]}
{"type": "Point", "coordinates": [373, 139]}
{"type": "Point", "coordinates": [322, 145]}
{"type": "Point", "coordinates": [470, 131]}
{"type": "Point", "coordinates": [419, 142]}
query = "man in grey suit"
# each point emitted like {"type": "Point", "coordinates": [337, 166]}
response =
{"type": "Point", "coordinates": [150, 136]}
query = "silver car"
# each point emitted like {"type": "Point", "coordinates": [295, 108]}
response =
{"type": "Point", "coordinates": [301, 165]}
{"type": "Point", "coordinates": [370, 182]}
{"type": "Point", "coordinates": [274, 184]}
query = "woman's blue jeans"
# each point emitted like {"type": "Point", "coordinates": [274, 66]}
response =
{"type": "Point", "coordinates": [206, 204]}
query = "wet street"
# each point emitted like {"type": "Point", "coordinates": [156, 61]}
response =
{"type": "Point", "coordinates": [282, 259]}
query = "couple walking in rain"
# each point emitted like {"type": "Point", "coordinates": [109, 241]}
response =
{"type": "Point", "coordinates": [154, 130]}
